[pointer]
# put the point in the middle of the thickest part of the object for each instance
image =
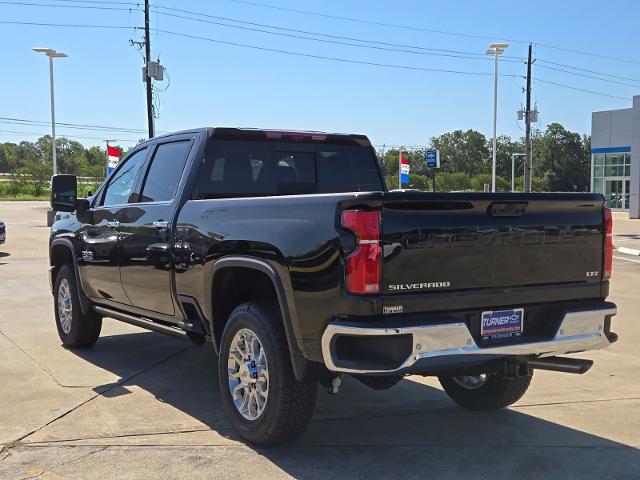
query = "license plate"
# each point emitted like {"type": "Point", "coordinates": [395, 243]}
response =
{"type": "Point", "coordinates": [498, 324]}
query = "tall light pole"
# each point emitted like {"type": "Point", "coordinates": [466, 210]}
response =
{"type": "Point", "coordinates": [496, 50]}
{"type": "Point", "coordinates": [51, 53]}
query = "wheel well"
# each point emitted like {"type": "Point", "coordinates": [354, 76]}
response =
{"type": "Point", "coordinates": [233, 286]}
{"type": "Point", "coordinates": [60, 254]}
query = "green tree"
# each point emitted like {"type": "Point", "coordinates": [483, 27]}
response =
{"type": "Point", "coordinates": [39, 175]}
{"type": "Point", "coordinates": [7, 157]}
{"type": "Point", "coordinates": [25, 152]}
{"type": "Point", "coordinates": [463, 151]}
{"type": "Point", "coordinates": [559, 156]}
{"type": "Point", "coordinates": [70, 154]}
{"type": "Point", "coordinates": [506, 147]}
{"type": "Point", "coordinates": [389, 161]}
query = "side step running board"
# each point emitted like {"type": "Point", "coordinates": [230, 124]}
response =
{"type": "Point", "coordinates": [562, 364]}
{"type": "Point", "coordinates": [142, 322]}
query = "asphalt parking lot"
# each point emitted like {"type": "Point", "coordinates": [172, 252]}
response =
{"type": "Point", "coordinates": [141, 405]}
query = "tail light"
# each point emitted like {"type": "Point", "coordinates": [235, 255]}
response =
{"type": "Point", "coordinates": [363, 264]}
{"type": "Point", "coordinates": [608, 244]}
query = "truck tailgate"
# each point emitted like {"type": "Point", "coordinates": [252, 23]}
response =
{"type": "Point", "coordinates": [445, 242]}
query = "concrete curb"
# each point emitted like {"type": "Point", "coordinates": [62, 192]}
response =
{"type": "Point", "coordinates": [629, 251]}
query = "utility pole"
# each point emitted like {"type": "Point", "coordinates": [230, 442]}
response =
{"type": "Point", "coordinates": [527, 131]}
{"type": "Point", "coordinates": [147, 59]}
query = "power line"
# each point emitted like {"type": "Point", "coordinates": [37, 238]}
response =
{"type": "Point", "coordinates": [80, 126]}
{"type": "Point", "coordinates": [307, 55]}
{"type": "Point", "coordinates": [587, 70]}
{"type": "Point", "coordinates": [82, 137]}
{"type": "Point", "coordinates": [373, 22]}
{"type": "Point", "coordinates": [336, 42]}
{"type": "Point", "coordinates": [335, 59]}
{"type": "Point", "coordinates": [589, 54]}
{"type": "Point", "coordinates": [442, 32]}
{"type": "Point", "coordinates": [98, 5]}
{"type": "Point", "coordinates": [70, 25]}
{"type": "Point", "coordinates": [57, 5]}
{"type": "Point", "coordinates": [580, 89]}
{"type": "Point", "coordinates": [307, 32]}
{"type": "Point", "coordinates": [578, 74]}
{"type": "Point", "coordinates": [99, 2]}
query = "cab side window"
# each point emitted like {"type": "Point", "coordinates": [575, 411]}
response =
{"type": "Point", "coordinates": [165, 171]}
{"type": "Point", "coordinates": [123, 180]}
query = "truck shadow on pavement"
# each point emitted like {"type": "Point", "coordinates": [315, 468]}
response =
{"type": "Point", "coordinates": [410, 431]}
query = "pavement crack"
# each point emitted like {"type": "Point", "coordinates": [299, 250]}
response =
{"type": "Point", "coordinates": [50, 470]}
{"type": "Point", "coordinates": [574, 402]}
{"type": "Point", "coordinates": [124, 435]}
{"type": "Point", "coordinates": [35, 362]}
{"type": "Point", "coordinates": [117, 384]}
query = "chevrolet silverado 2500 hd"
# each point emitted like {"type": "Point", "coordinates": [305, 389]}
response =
{"type": "Point", "coordinates": [287, 251]}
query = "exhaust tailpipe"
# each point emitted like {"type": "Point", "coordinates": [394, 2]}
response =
{"type": "Point", "coordinates": [562, 364]}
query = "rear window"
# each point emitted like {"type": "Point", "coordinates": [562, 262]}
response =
{"type": "Point", "coordinates": [248, 168]}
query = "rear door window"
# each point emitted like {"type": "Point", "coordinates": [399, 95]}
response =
{"type": "Point", "coordinates": [254, 168]}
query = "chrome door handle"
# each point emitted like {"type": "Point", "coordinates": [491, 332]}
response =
{"type": "Point", "coordinates": [113, 224]}
{"type": "Point", "coordinates": [160, 224]}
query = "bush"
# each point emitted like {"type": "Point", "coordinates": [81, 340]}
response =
{"type": "Point", "coordinates": [453, 182]}
{"type": "Point", "coordinates": [85, 188]}
{"type": "Point", "coordinates": [40, 176]}
{"type": "Point", "coordinates": [18, 181]}
{"type": "Point", "coordinates": [478, 182]}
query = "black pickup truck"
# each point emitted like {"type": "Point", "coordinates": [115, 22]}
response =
{"type": "Point", "coordinates": [287, 251]}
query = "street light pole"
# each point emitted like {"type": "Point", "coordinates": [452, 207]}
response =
{"type": "Point", "coordinates": [513, 169]}
{"type": "Point", "coordinates": [51, 53]}
{"type": "Point", "coordinates": [53, 118]}
{"type": "Point", "coordinates": [495, 49]}
{"type": "Point", "coordinates": [513, 172]}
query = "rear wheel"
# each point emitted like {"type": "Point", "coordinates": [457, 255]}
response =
{"type": "Point", "coordinates": [486, 391]}
{"type": "Point", "coordinates": [75, 329]}
{"type": "Point", "coordinates": [261, 396]}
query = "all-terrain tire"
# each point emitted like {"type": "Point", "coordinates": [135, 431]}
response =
{"type": "Point", "coordinates": [290, 403]}
{"type": "Point", "coordinates": [496, 392]}
{"type": "Point", "coordinates": [76, 330]}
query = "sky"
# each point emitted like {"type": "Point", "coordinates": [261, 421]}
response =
{"type": "Point", "coordinates": [245, 83]}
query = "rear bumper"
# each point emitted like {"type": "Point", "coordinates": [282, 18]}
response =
{"type": "Point", "coordinates": [453, 343]}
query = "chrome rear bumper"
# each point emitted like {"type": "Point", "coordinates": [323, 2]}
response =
{"type": "Point", "coordinates": [578, 331]}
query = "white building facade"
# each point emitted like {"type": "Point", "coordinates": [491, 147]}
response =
{"type": "Point", "coordinates": [615, 157]}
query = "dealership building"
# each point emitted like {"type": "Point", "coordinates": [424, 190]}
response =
{"type": "Point", "coordinates": [615, 157]}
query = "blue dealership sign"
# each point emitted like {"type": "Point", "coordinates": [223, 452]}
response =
{"type": "Point", "coordinates": [432, 158]}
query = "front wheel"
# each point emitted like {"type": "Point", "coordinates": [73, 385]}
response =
{"type": "Point", "coordinates": [75, 329]}
{"type": "Point", "coordinates": [261, 396]}
{"type": "Point", "coordinates": [486, 391]}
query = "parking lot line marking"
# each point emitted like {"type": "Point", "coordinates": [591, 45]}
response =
{"type": "Point", "coordinates": [627, 259]}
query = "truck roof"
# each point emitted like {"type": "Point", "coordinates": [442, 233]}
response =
{"type": "Point", "coordinates": [258, 134]}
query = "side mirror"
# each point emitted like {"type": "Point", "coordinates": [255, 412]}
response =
{"type": "Point", "coordinates": [64, 193]}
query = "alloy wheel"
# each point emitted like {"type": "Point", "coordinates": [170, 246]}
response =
{"type": "Point", "coordinates": [65, 306]}
{"type": "Point", "coordinates": [248, 374]}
